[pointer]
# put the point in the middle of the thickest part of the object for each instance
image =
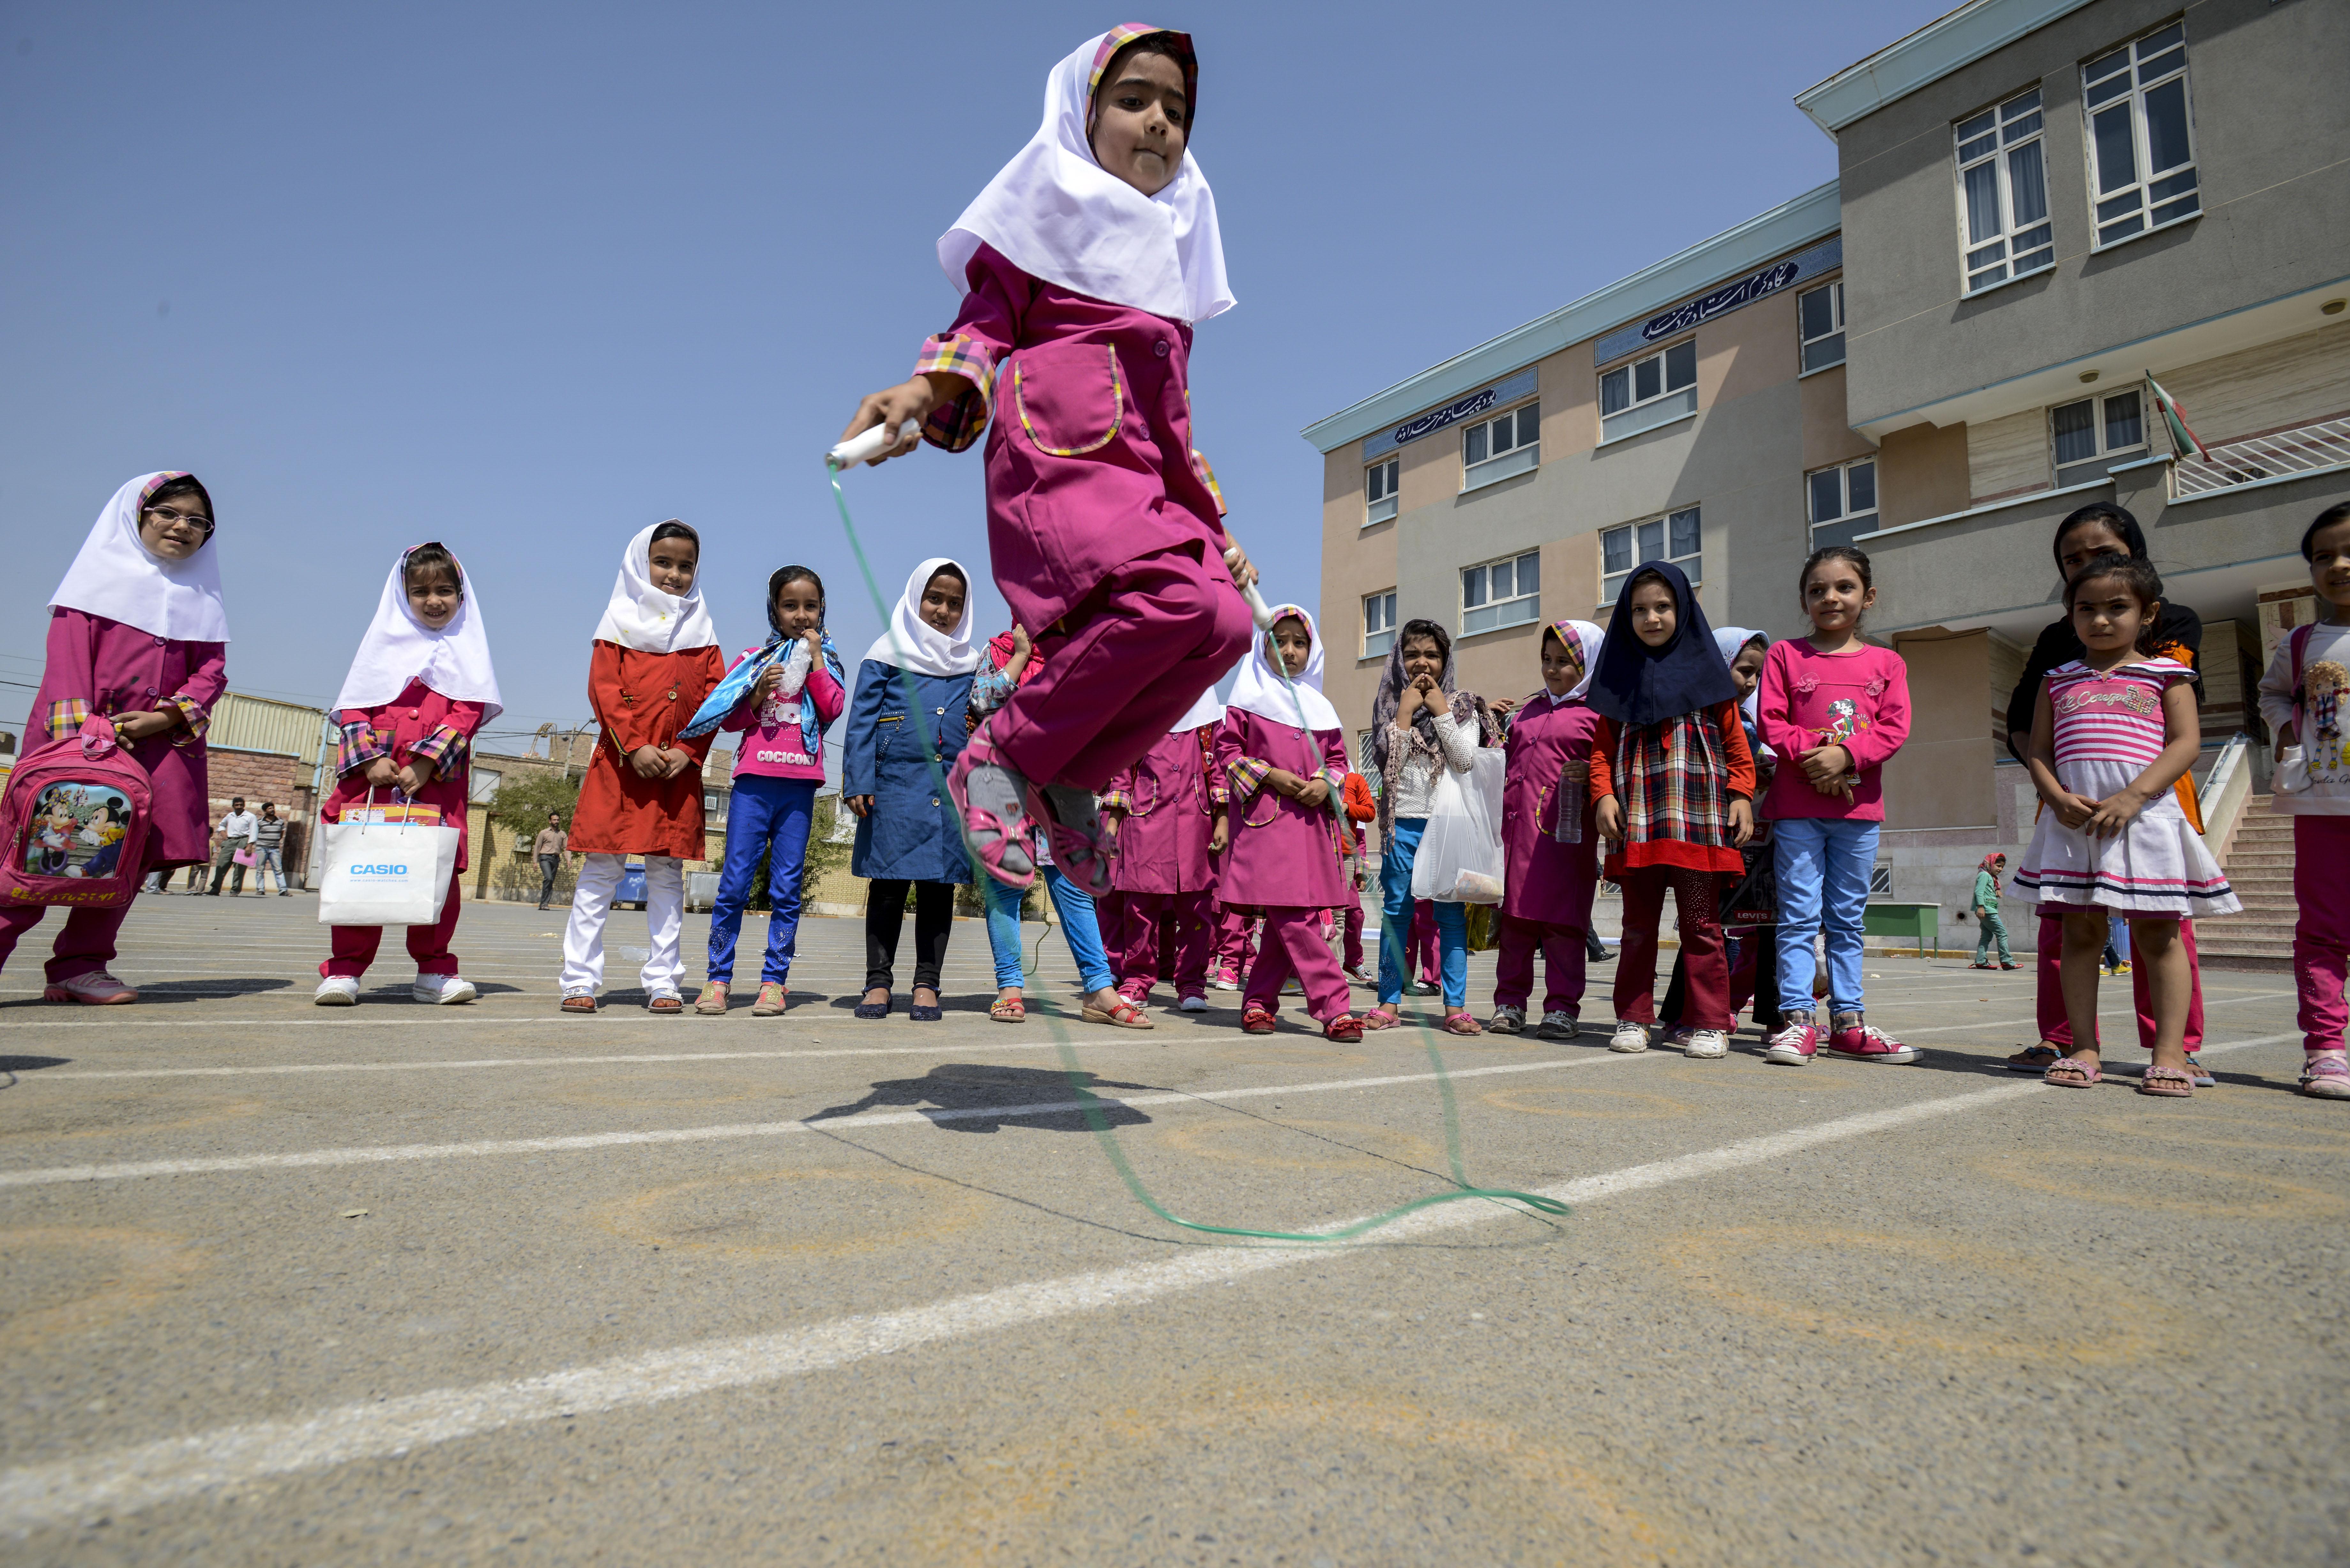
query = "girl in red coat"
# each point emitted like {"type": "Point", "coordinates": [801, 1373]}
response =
{"type": "Point", "coordinates": [656, 657]}
{"type": "Point", "coordinates": [420, 687]}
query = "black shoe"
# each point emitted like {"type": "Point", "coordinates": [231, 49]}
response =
{"type": "Point", "coordinates": [925, 1014]}
{"type": "Point", "coordinates": [872, 1009]}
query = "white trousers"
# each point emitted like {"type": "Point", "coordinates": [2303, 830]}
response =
{"type": "Point", "coordinates": [583, 936]}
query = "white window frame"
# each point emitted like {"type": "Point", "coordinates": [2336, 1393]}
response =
{"type": "Point", "coordinates": [2081, 470]}
{"type": "Point", "coordinates": [1668, 402]}
{"type": "Point", "coordinates": [1523, 456]}
{"type": "Point", "coordinates": [1821, 350]}
{"type": "Point", "coordinates": [2150, 199]}
{"type": "Point", "coordinates": [714, 803]}
{"type": "Point", "coordinates": [1847, 522]}
{"type": "Point", "coordinates": [1691, 561]}
{"type": "Point", "coordinates": [1989, 144]}
{"type": "Point", "coordinates": [1490, 614]}
{"type": "Point", "coordinates": [1382, 604]}
{"type": "Point", "coordinates": [1379, 481]}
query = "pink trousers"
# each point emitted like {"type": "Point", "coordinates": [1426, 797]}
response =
{"type": "Point", "coordinates": [1138, 964]}
{"type": "Point", "coordinates": [2049, 997]}
{"type": "Point", "coordinates": [1705, 961]}
{"type": "Point", "coordinates": [1350, 916]}
{"type": "Point", "coordinates": [1293, 942]}
{"type": "Point", "coordinates": [1422, 950]}
{"type": "Point", "coordinates": [353, 947]}
{"type": "Point", "coordinates": [1235, 941]}
{"type": "Point", "coordinates": [1563, 964]}
{"type": "Point", "coordinates": [1122, 666]}
{"type": "Point", "coordinates": [2321, 937]}
{"type": "Point", "coordinates": [84, 946]}
{"type": "Point", "coordinates": [1109, 920]}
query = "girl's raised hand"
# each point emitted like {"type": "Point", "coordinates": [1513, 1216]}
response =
{"type": "Point", "coordinates": [909, 399]}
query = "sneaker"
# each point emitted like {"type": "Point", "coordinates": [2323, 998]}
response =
{"type": "Point", "coordinates": [1423, 988]}
{"type": "Point", "coordinates": [1861, 1041]}
{"type": "Point", "coordinates": [1506, 1021]}
{"type": "Point", "coordinates": [1193, 1003]}
{"type": "Point", "coordinates": [442, 989]}
{"type": "Point", "coordinates": [338, 991]}
{"type": "Point", "coordinates": [1358, 975]}
{"type": "Point", "coordinates": [1629, 1037]}
{"type": "Point", "coordinates": [771, 1003]}
{"type": "Point", "coordinates": [2325, 1076]}
{"type": "Point", "coordinates": [1558, 1025]}
{"type": "Point", "coordinates": [95, 989]}
{"type": "Point", "coordinates": [1225, 979]}
{"type": "Point", "coordinates": [1706, 1042]}
{"type": "Point", "coordinates": [1797, 1041]}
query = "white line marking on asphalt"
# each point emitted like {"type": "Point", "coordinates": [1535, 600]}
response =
{"type": "Point", "coordinates": [1126, 1039]}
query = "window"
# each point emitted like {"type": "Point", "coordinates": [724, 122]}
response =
{"type": "Point", "coordinates": [1843, 502]}
{"type": "Point", "coordinates": [1498, 448]}
{"type": "Point", "coordinates": [1379, 491]}
{"type": "Point", "coordinates": [2003, 188]}
{"type": "Point", "coordinates": [2092, 435]}
{"type": "Point", "coordinates": [1648, 392]}
{"type": "Point", "coordinates": [1378, 624]}
{"type": "Point", "coordinates": [1880, 878]}
{"type": "Point", "coordinates": [2141, 157]}
{"type": "Point", "coordinates": [1821, 313]}
{"type": "Point", "coordinates": [1500, 593]}
{"type": "Point", "coordinates": [482, 787]}
{"type": "Point", "coordinates": [714, 806]}
{"type": "Point", "coordinates": [1677, 538]}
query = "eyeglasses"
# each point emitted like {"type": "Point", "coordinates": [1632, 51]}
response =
{"type": "Point", "coordinates": [171, 518]}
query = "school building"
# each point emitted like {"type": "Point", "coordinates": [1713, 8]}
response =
{"type": "Point", "coordinates": [2044, 209]}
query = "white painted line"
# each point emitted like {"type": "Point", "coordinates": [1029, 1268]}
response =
{"type": "Point", "coordinates": [2120, 1010]}
{"type": "Point", "coordinates": [1126, 1037]}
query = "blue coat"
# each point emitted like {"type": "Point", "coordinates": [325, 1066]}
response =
{"type": "Point", "coordinates": [911, 834]}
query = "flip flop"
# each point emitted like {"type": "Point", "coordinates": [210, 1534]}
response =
{"type": "Point", "coordinates": [1380, 1018]}
{"type": "Point", "coordinates": [1010, 1010]}
{"type": "Point", "coordinates": [1123, 1014]}
{"type": "Point", "coordinates": [2080, 1075]}
{"type": "Point", "coordinates": [2034, 1058]}
{"type": "Point", "coordinates": [2166, 1083]}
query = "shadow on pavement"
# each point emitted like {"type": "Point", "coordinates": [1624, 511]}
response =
{"type": "Point", "coordinates": [976, 1097]}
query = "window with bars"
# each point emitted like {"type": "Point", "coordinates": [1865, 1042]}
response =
{"type": "Point", "coordinates": [1843, 502]}
{"type": "Point", "coordinates": [1496, 594]}
{"type": "Point", "coordinates": [2092, 435]}
{"type": "Point", "coordinates": [1379, 491]}
{"type": "Point", "coordinates": [2003, 193]}
{"type": "Point", "coordinates": [1504, 445]}
{"type": "Point", "coordinates": [2141, 137]}
{"type": "Point", "coordinates": [1820, 313]}
{"type": "Point", "coordinates": [1648, 392]}
{"type": "Point", "coordinates": [714, 806]}
{"type": "Point", "coordinates": [1378, 624]}
{"type": "Point", "coordinates": [1677, 537]}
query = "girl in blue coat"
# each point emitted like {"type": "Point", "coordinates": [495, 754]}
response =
{"type": "Point", "coordinates": [906, 831]}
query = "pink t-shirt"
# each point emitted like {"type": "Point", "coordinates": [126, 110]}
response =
{"type": "Point", "coordinates": [772, 743]}
{"type": "Point", "coordinates": [1859, 699]}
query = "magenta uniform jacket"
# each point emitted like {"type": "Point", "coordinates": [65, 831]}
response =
{"type": "Point", "coordinates": [1169, 799]}
{"type": "Point", "coordinates": [419, 723]}
{"type": "Point", "coordinates": [1090, 462]}
{"type": "Point", "coordinates": [98, 665]}
{"type": "Point", "coordinates": [1283, 854]}
{"type": "Point", "coordinates": [1548, 881]}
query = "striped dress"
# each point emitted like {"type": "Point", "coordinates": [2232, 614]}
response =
{"type": "Point", "coordinates": [2109, 730]}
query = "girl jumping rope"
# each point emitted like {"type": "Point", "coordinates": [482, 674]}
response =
{"type": "Point", "coordinates": [1086, 263]}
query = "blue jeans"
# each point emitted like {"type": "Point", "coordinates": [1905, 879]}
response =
{"type": "Point", "coordinates": [767, 815]}
{"type": "Point", "coordinates": [1079, 926]}
{"type": "Point", "coordinates": [1823, 865]}
{"type": "Point", "coordinates": [1395, 921]}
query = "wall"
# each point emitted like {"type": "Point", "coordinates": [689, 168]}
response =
{"type": "Point", "coordinates": [1922, 473]}
{"type": "Point", "coordinates": [259, 776]}
{"type": "Point", "coordinates": [1942, 776]}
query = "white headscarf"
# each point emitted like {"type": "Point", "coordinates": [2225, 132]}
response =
{"type": "Point", "coordinates": [1732, 640]}
{"type": "Point", "coordinates": [1208, 710]}
{"type": "Point", "coordinates": [1054, 213]}
{"type": "Point", "coordinates": [399, 649]}
{"type": "Point", "coordinates": [1261, 689]}
{"type": "Point", "coordinates": [642, 616]}
{"type": "Point", "coordinates": [115, 575]}
{"type": "Point", "coordinates": [1587, 638]}
{"type": "Point", "coordinates": [913, 644]}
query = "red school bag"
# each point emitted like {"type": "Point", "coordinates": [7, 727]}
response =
{"type": "Point", "coordinates": [74, 823]}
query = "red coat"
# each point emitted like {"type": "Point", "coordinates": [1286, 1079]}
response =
{"type": "Point", "coordinates": [644, 700]}
{"type": "Point", "coordinates": [419, 722]}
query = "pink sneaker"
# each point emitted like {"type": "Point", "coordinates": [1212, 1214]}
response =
{"type": "Point", "coordinates": [1862, 1042]}
{"type": "Point", "coordinates": [1794, 1045]}
{"type": "Point", "coordinates": [95, 989]}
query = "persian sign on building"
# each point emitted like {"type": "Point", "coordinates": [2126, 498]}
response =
{"type": "Point", "coordinates": [1825, 256]}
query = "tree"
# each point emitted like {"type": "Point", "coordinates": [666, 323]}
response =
{"type": "Point", "coordinates": [523, 801]}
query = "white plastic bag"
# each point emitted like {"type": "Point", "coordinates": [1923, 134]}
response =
{"type": "Point", "coordinates": [2291, 771]}
{"type": "Point", "coordinates": [384, 873]}
{"type": "Point", "coordinates": [1460, 855]}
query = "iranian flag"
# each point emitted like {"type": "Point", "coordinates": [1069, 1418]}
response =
{"type": "Point", "coordinates": [2181, 437]}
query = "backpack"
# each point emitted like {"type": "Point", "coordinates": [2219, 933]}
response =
{"type": "Point", "coordinates": [74, 823]}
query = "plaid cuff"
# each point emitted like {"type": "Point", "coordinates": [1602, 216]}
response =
{"type": "Point", "coordinates": [1248, 774]}
{"type": "Point", "coordinates": [1116, 800]}
{"type": "Point", "coordinates": [1207, 478]}
{"type": "Point", "coordinates": [64, 717]}
{"type": "Point", "coordinates": [359, 745]}
{"type": "Point", "coordinates": [192, 715]}
{"type": "Point", "coordinates": [445, 748]}
{"type": "Point", "coordinates": [955, 425]}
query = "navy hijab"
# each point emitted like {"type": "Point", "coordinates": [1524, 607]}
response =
{"type": "Point", "coordinates": [1636, 684]}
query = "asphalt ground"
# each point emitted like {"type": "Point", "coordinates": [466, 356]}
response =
{"type": "Point", "coordinates": [281, 1284]}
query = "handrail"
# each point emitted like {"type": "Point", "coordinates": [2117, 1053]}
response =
{"type": "Point", "coordinates": [2224, 792]}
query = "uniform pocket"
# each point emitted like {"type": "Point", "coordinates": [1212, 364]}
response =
{"type": "Point", "coordinates": [1070, 397]}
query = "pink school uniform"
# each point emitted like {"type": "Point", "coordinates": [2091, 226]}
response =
{"type": "Point", "coordinates": [1547, 895]}
{"type": "Point", "coordinates": [1169, 800]}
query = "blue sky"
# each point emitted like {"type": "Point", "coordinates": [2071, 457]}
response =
{"type": "Point", "coordinates": [526, 277]}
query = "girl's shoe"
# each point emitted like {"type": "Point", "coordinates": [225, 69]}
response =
{"type": "Point", "coordinates": [2325, 1076]}
{"type": "Point", "coordinates": [665, 1003]}
{"type": "Point", "coordinates": [2200, 1072]}
{"type": "Point", "coordinates": [1558, 1025]}
{"type": "Point", "coordinates": [1071, 819]}
{"type": "Point", "coordinates": [1706, 1042]}
{"type": "Point", "coordinates": [926, 1011]}
{"type": "Point", "coordinates": [1122, 1012]}
{"type": "Point", "coordinates": [2034, 1058]}
{"type": "Point", "coordinates": [338, 991]}
{"type": "Point", "coordinates": [1678, 1037]}
{"type": "Point", "coordinates": [1461, 1024]}
{"type": "Point", "coordinates": [1360, 976]}
{"type": "Point", "coordinates": [2167, 1082]}
{"type": "Point", "coordinates": [2007, 966]}
{"type": "Point", "coordinates": [1380, 1017]}
{"type": "Point", "coordinates": [1858, 1040]}
{"type": "Point", "coordinates": [97, 989]}
{"type": "Point", "coordinates": [1255, 1020]}
{"type": "Point", "coordinates": [992, 802]}
{"type": "Point", "coordinates": [1225, 979]}
{"type": "Point", "coordinates": [442, 989]}
{"type": "Point", "coordinates": [1010, 1010]}
{"type": "Point", "coordinates": [1423, 988]}
{"type": "Point", "coordinates": [1194, 1002]}
{"type": "Point", "coordinates": [774, 996]}
{"type": "Point", "coordinates": [1506, 1021]}
{"type": "Point", "coordinates": [2073, 1073]}
{"type": "Point", "coordinates": [872, 1009]}
{"type": "Point", "coordinates": [1629, 1037]}
{"type": "Point", "coordinates": [711, 1003]}
{"type": "Point", "coordinates": [1346, 1029]}
{"type": "Point", "coordinates": [1977, 966]}
{"type": "Point", "coordinates": [1797, 1041]}
{"type": "Point", "coordinates": [580, 1003]}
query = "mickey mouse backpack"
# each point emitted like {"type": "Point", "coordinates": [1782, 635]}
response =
{"type": "Point", "coordinates": [74, 823]}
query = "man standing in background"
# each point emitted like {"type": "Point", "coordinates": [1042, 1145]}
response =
{"type": "Point", "coordinates": [268, 849]}
{"type": "Point", "coordinates": [549, 847]}
{"type": "Point", "coordinates": [238, 829]}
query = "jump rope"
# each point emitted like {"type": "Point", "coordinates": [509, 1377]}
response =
{"type": "Point", "coordinates": [861, 448]}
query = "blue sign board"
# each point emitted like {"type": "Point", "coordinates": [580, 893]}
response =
{"type": "Point", "coordinates": [1823, 258]}
{"type": "Point", "coordinates": [1500, 394]}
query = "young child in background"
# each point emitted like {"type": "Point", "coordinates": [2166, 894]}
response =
{"type": "Point", "coordinates": [2305, 698]}
{"type": "Point", "coordinates": [1834, 709]}
{"type": "Point", "coordinates": [1087, 260]}
{"type": "Point", "coordinates": [780, 698]}
{"type": "Point", "coordinates": [1359, 808]}
{"type": "Point", "coordinates": [906, 834]}
{"type": "Point", "coordinates": [1550, 840]}
{"type": "Point", "coordinates": [1674, 784]}
{"type": "Point", "coordinates": [1284, 753]}
{"type": "Point", "coordinates": [136, 633]}
{"type": "Point", "coordinates": [1169, 808]}
{"type": "Point", "coordinates": [2113, 733]}
{"type": "Point", "coordinates": [655, 657]}
{"type": "Point", "coordinates": [420, 687]}
{"type": "Point", "coordinates": [1989, 929]}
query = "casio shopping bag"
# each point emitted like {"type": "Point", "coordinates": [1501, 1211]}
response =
{"type": "Point", "coordinates": [73, 821]}
{"type": "Point", "coordinates": [1460, 857]}
{"type": "Point", "coordinates": [385, 866]}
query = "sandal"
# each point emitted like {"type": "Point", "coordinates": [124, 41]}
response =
{"type": "Point", "coordinates": [666, 1003]}
{"type": "Point", "coordinates": [2072, 1073]}
{"type": "Point", "coordinates": [1461, 1024]}
{"type": "Point", "coordinates": [1380, 1017]}
{"type": "Point", "coordinates": [1255, 1020]}
{"type": "Point", "coordinates": [991, 797]}
{"type": "Point", "coordinates": [1008, 1010]}
{"type": "Point", "coordinates": [1122, 1012]}
{"type": "Point", "coordinates": [711, 1003]}
{"type": "Point", "coordinates": [580, 1004]}
{"type": "Point", "coordinates": [772, 998]}
{"type": "Point", "coordinates": [2034, 1058]}
{"type": "Point", "coordinates": [2168, 1083]}
{"type": "Point", "coordinates": [1346, 1029]}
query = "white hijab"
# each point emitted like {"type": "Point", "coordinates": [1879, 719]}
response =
{"type": "Point", "coordinates": [1261, 689]}
{"type": "Point", "coordinates": [913, 644]}
{"type": "Point", "coordinates": [1054, 213]}
{"type": "Point", "coordinates": [1588, 637]}
{"type": "Point", "coordinates": [642, 616]}
{"type": "Point", "coordinates": [115, 575]}
{"type": "Point", "coordinates": [1732, 640]}
{"type": "Point", "coordinates": [399, 649]}
{"type": "Point", "coordinates": [1208, 710]}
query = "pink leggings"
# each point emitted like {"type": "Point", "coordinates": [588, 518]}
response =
{"type": "Point", "coordinates": [85, 943]}
{"type": "Point", "coordinates": [1194, 932]}
{"type": "Point", "coordinates": [2058, 1031]}
{"type": "Point", "coordinates": [1563, 964]}
{"type": "Point", "coordinates": [1294, 941]}
{"type": "Point", "coordinates": [2321, 937]}
{"type": "Point", "coordinates": [353, 947]}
